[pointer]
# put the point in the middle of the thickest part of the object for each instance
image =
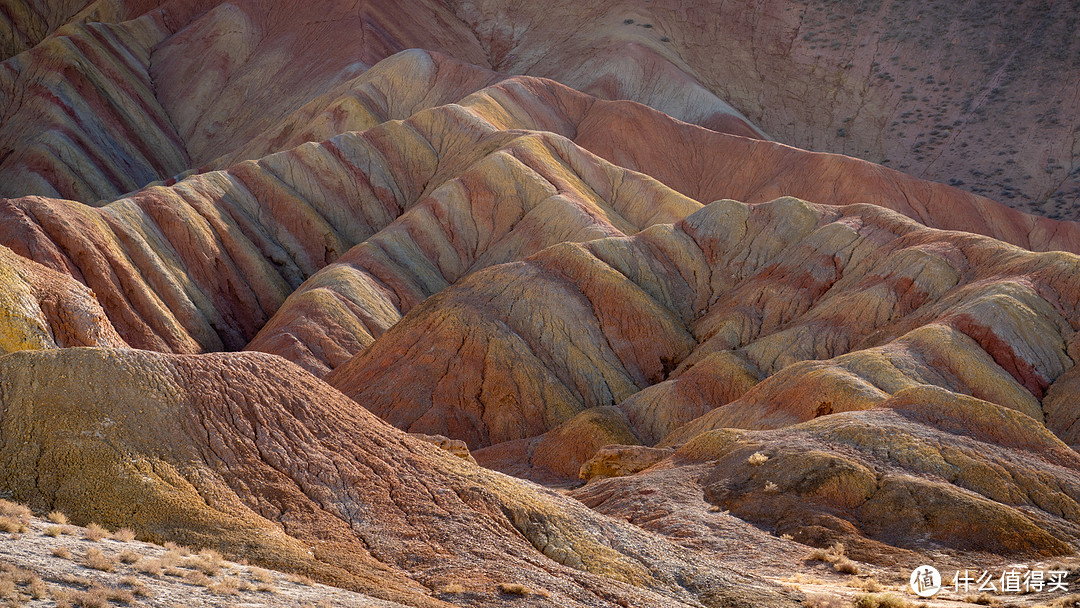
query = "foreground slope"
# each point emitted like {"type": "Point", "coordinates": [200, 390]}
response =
{"type": "Point", "coordinates": [249, 454]}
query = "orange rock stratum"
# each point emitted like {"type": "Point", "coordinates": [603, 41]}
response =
{"type": "Point", "coordinates": [476, 303]}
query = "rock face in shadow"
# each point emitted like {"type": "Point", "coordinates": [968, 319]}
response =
{"type": "Point", "coordinates": [254, 456]}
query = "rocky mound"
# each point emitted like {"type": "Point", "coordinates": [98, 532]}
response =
{"type": "Point", "coordinates": [251, 455]}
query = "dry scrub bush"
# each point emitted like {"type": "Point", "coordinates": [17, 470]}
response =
{"type": "Point", "coordinates": [1070, 601]}
{"type": "Point", "coordinates": [757, 459]}
{"type": "Point", "coordinates": [872, 585]}
{"type": "Point", "coordinates": [53, 531]}
{"type": "Point", "coordinates": [57, 518]}
{"type": "Point", "coordinates": [208, 561]}
{"type": "Point", "coordinates": [97, 560]}
{"type": "Point", "coordinates": [265, 588]}
{"type": "Point", "coordinates": [15, 510]}
{"type": "Point", "coordinates": [300, 579]}
{"type": "Point", "coordinates": [94, 532]}
{"type": "Point", "coordinates": [831, 555]}
{"type": "Point", "coordinates": [881, 601]}
{"type": "Point", "coordinates": [226, 586]}
{"type": "Point", "coordinates": [175, 548]}
{"type": "Point", "coordinates": [821, 600]}
{"type": "Point", "coordinates": [127, 556]}
{"type": "Point", "coordinates": [846, 566]}
{"type": "Point", "coordinates": [124, 535]}
{"type": "Point", "coordinates": [61, 552]}
{"type": "Point", "coordinates": [262, 575]}
{"type": "Point", "coordinates": [12, 525]}
{"type": "Point", "coordinates": [137, 586]}
{"type": "Point", "coordinates": [522, 590]}
{"type": "Point", "coordinates": [197, 578]}
{"type": "Point", "coordinates": [150, 567]}
{"type": "Point", "coordinates": [453, 588]}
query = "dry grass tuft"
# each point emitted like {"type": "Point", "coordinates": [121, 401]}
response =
{"type": "Point", "coordinates": [453, 588]}
{"type": "Point", "coordinates": [194, 577]}
{"type": "Point", "coordinates": [208, 561]}
{"type": "Point", "coordinates": [127, 556]}
{"type": "Point", "coordinates": [1069, 601]}
{"type": "Point", "coordinates": [61, 552]}
{"type": "Point", "coordinates": [12, 524]}
{"type": "Point", "coordinates": [53, 531]}
{"type": "Point", "coordinates": [831, 555]}
{"type": "Point", "coordinates": [262, 575]}
{"type": "Point", "coordinates": [771, 487]}
{"type": "Point", "coordinates": [757, 459]}
{"type": "Point", "coordinates": [137, 586]}
{"type": "Point", "coordinates": [37, 588]}
{"type": "Point", "coordinates": [124, 535]}
{"type": "Point", "coordinates": [888, 600]}
{"type": "Point", "coordinates": [57, 518]}
{"type": "Point", "coordinates": [181, 550]}
{"type": "Point", "coordinates": [15, 510]}
{"type": "Point", "coordinates": [120, 596]}
{"type": "Point", "coordinates": [846, 566]}
{"type": "Point", "coordinates": [514, 589]}
{"type": "Point", "coordinates": [94, 532]}
{"type": "Point", "coordinates": [872, 585]}
{"type": "Point", "coordinates": [226, 586]}
{"type": "Point", "coordinates": [300, 579]}
{"type": "Point", "coordinates": [97, 560]}
{"type": "Point", "coordinates": [149, 567]}
{"type": "Point", "coordinates": [265, 588]}
{"type": "Point", "coordinates": [821, 600]}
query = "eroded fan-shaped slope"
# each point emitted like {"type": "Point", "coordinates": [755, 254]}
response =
{"type": "Point", "coordinates": [251, 454]}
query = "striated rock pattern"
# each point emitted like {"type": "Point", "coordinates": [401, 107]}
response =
{"type": "Point", "coordinates": [748, 316]}
{"type": "Point", "coordinates": [924, 470]}
{"type": "Point", "coordinates": [544, 243]}
{"type": "Point", "coordinates": [40, 308]}
{"type": "Point", "coordinates": [252, 455]}
{"type": "Point", "coordinates": [950, 92]}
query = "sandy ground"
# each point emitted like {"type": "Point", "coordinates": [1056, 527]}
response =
{"type": "Point", "coordinates": [186, 579]}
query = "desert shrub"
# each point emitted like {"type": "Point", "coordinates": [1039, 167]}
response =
{"type": "Point", "coordinates": [757, 459]}
{"type": "Point", "coordinates": [94, 532]}
{"type": "Point", "coordinates": [514, 589]}
{"type": "Point", "coordinates": [97, 560]}
{"type": "Point", "coordinates": [846, 566]}
{"type": "Point", "coordinates": [821, 600]}
{"type": "Point", "coordinates": [12, 525]}
{"type": "Point", "coordinates": [888, 600]}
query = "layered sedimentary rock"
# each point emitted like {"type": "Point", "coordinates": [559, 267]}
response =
{"type": "Point", "coordinates": [925, 469]}
{"type": "Point", "coordinates": [755, 317]}
{"type": "Point", "coordinates": [557, 281]}
{"type": "Point", "coordinates": [955, 93]}
{"type": "Point", "coordinates": [252, 455]}
{"type": "Point", "coordinates": [40, 308]}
